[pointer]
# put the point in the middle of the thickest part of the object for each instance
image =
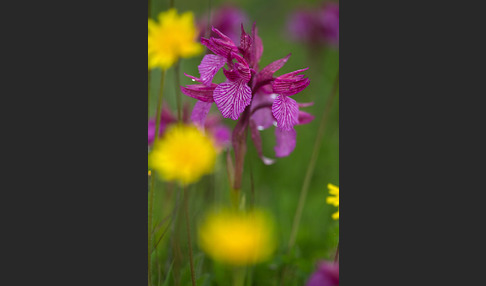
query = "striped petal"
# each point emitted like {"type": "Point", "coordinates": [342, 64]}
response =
{"type": "Point", "coordinates": [209, 66]}
{"type": "Point", "coordinates": [286, 112]}
{"type": "Point", "coordinates": [232, 98]}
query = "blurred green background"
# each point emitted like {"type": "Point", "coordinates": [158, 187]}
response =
{"type": "Point", "coordinates": [277, 187]}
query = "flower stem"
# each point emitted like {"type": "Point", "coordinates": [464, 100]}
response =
{"type": "Point", "coordinates": [150, 229]}
{"type": "Point", "coordinates": [312, 164]}
{"type": "Point", "coordinates": [186, 211]}
{"type": "Point", "coordinates": [336, 256]}
{"type": "Point", "coordinates": [152, 183]}
{"type": "Point", "coordinates": [239, 276]}
{"type": "Point", "coordinates": [159, 106]}
{"type": "Point", "coordinates": [178, 90]}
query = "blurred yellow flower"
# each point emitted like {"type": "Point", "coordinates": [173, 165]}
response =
{"type": "Point", "coordinates": [333, 190]}
{"type": "Point", "coordinates": [237, 238]}
{"type": "Point", "coordinates": [183, 154]}
{"type": "Point", "coordinates": [172, 38]}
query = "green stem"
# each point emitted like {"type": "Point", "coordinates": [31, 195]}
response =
{"type": "Point", "coordinates": [239, 276]}
{"type": "Point", "coordinates": [159, 106]}
{"type": "Point", "coordinates": [150, 229]}
{"type": "Point", "coordinates": [152, 184]}
{"type": "Point", "coordinates": [178, 90]}
{"type": "Point", "coordinates": [336, 256]}
{"type": "Point", "coordinates": [188, 228]}
{"type": "Point", "coordinates": [311, 166]}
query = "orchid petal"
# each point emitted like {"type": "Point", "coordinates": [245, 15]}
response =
{"type": "Point", "coordinates": [286, 112]}
{"type": "Point", "coordinates": [305, 118]}
{"type": "Point", "coordinates": [245, 42]}
{"type": "Point", "coordinates": [199, 91]}
{"type": "Point", "coordinates": [222, 135]}
{"type": "Point", "coordinates": [257, 141]}
{"type": "Point", "coordinates": [291, 83]}
{"type": "Point", "coordinates": [305, 104]}
{"type": "Point", "coordinates": [200, 111]}
{"type": "Point", "coordinates": [262, 116]}
{"type": "Point", "coordinates": [222, 46]}
{"type": "Point", "coordinates": [232, 98]}
{"type": "Point", "coordinates": [286, 140]}
{"type": "Point", "coordinates": [257, 47]}
{"type": "Point", "coordinates": [209, 66]}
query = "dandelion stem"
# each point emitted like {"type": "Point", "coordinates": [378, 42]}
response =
{"type": "Point", "coordinates": [312, 164]}
{"type": "Point", "coordinates": [239, 276]}
{"type": "Point", "coordinates": [148, 94]}
{"type": "Point", "coordinates": [152, 181]}
{"type": "Point", "coordinates": [186, 210]}
{"type": "Point", "coordinates": [178, 90]}
{"type": "Point", "coordinates": [171, 4]}
{"type": "Point", "coordinates": [336, 256]}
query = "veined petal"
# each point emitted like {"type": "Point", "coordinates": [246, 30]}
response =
{"type": "Point", "coordinates": [245, 42]}
{"type": "Point", "coordinates": [267, 72]}
{"type": "Point", "coordinates": [291, 83]}
{"type": "Point", "coordinates": [232, 98]}
{"type": "Point", "coordinates": [222, 46]}
{"type": "Point", "coordinates": [286, 112]}
{"type": "Point", "coordinates": [209, 66]}
{"type": "Point", "coordinates": [286, 140]}
{"type": "Point", "coordinates": [199, 91]}
{"type": "Point", "coordinates": [200, 111]}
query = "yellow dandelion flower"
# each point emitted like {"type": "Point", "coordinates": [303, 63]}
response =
{"type": "Point", "coordinates": [183, 154]}
{"type": "Point", "coordinates": [237, 238]}
{"type": "Point", "coordinates": [334, 191]}
{"type": "Point", "coordinates": [172, 38]}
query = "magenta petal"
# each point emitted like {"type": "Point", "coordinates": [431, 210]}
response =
{"type": "Point", "coordinates": [245, 41]}
{"type": "Point", "coordinates": [305, 104]}
{"type": "Point", "coordinates": [286, 112]}
{"type": "Point", "coordinates": [267, 72]}
{"type": "Point", "coordinates": [257, 47]}
{"type": "Point", "coordinates": [305, 117]}
{"type": "Point", "coordinates": [286, 140]}
{"type": "Point", "coordinates": [327, 274]}
{"type": "Point", "coordinates": [222, 46]}
{"type": "Point", "coordinates": [200, 111]}
{"type": "Point", "coordinates": [199, 91]}
{"type": "Point", "coordinates": [222, 135]}
{"type": "Point", "coordinates": [232, 98]}
{"type": "Point", "coordinates": [291, 83]}
{"type": "Point", "coordinates": [209, 66]}
{"type": "Point", "coordinates": [257, 141]}
{"type": "Point", "coordinates": [261, 114]}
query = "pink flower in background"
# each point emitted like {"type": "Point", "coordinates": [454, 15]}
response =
{"type": "Point", "coordinates": [316, 26]}
{"type": "Point", "coordinates": [226, 19]}
{"type": "Point", "coordinates": [255, 97]}
{"type": "Point", "coordinates": [327, 274]}
{"type": "Point", "coordinates": [212, 124]}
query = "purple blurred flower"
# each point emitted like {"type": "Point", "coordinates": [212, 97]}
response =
{"type": "Point", "coordinates": [226, 19]}
{"type": "Point", "coordinates": [316, 27]}
{"type": "Point", "coordinates": [327, 274]}
{"type": "Point", "coordinates": [212, 123]}
{"type": "Point", "coordinates": [254, 97]}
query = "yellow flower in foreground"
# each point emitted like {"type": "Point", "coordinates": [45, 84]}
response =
{"type": "Point", "coordinates": [333, 190]}
{"type": "Point", "coordinates": [172, 38]}
{"type": "Point", "coordinates": [237, 238]}
{"type": "Point", "coordinates": [183, 154]}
